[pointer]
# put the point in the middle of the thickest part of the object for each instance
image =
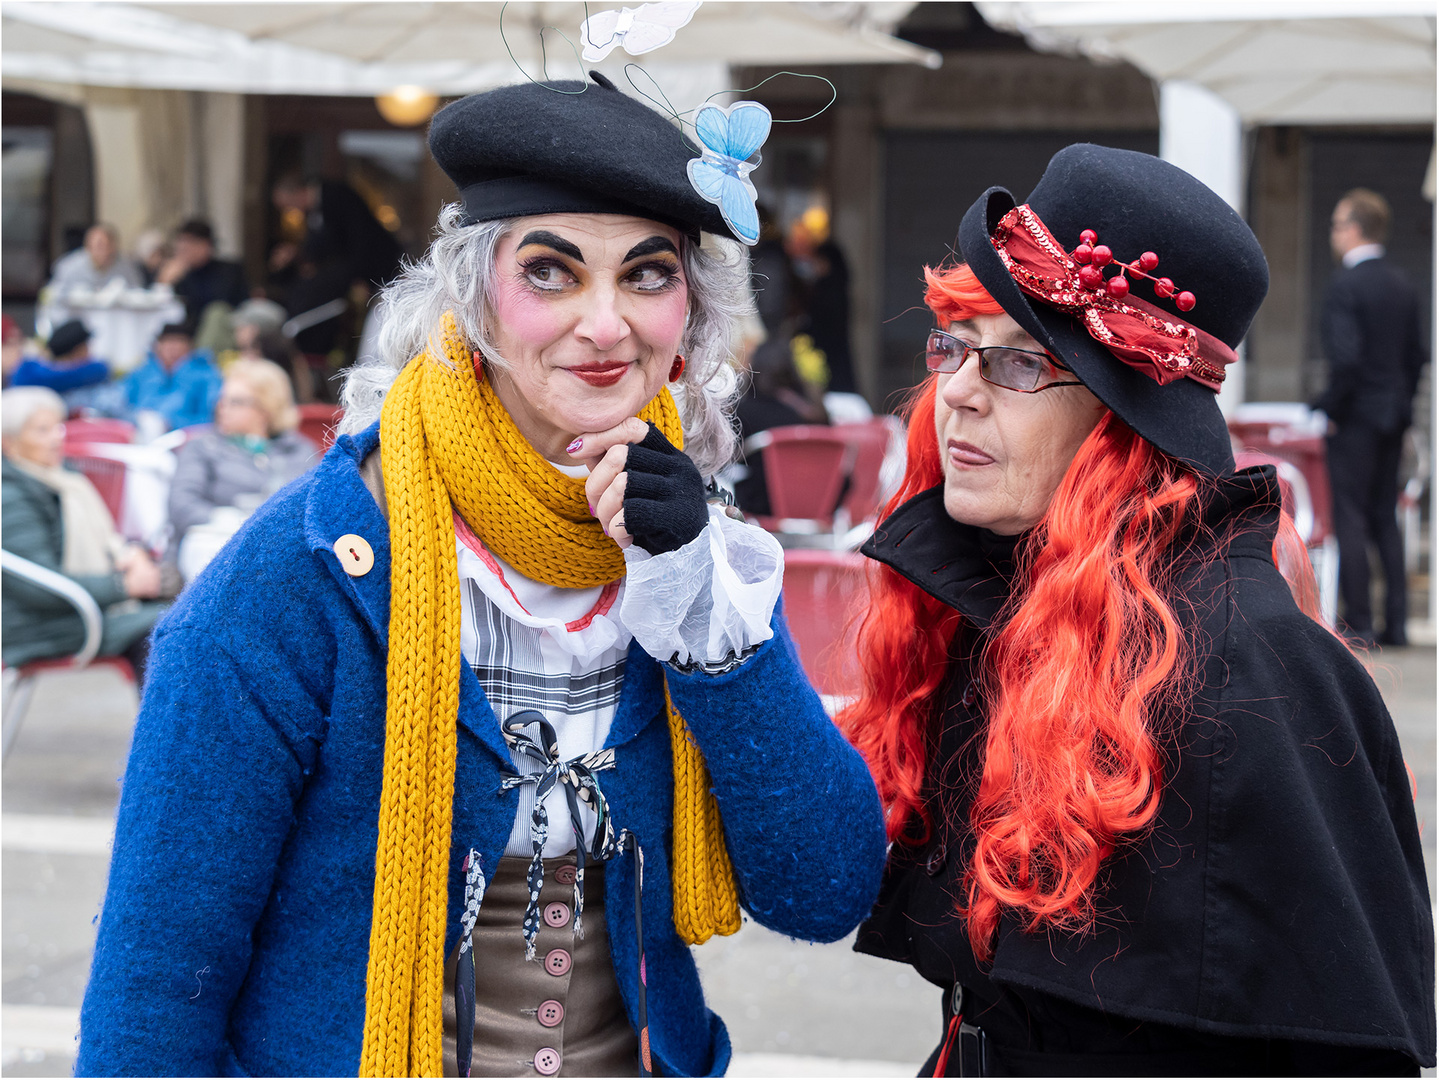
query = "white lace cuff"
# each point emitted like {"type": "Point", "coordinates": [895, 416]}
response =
{"type": "Point", "coordinates": [707, 601]}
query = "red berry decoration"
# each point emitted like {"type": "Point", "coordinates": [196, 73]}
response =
{"type": "Point", "coordinates": [1148, 261]}
{"type": "Point", "coordinates": [1090, 277]}
{"type": "Point", "coordinates": [1088, 236]}
{"type": "Point", "coordinates": [1185, 301]}
{"type": "Point", "coordinates": [1102, 255]}
{"type": "Point", "coordinates": [1164, 288]}
{"type": "Point", "coordinates": [1117, 287]}
{"type": "Point", "coordinates": [1083, 253]}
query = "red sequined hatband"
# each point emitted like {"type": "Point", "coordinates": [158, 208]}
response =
{"type": "Point", "coordinates": [1147, 338]}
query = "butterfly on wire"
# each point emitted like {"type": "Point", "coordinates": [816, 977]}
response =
{"type": "Point", "coordinates": [636, 30]}
{"type": "Point", "coordinates": [721, 173]}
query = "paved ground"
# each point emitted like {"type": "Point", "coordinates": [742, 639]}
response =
{"type": "Point", "coordinates": [793, 1009]}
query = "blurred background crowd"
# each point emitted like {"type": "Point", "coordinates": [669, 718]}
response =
{"type": "Point", "coordinates": [192, 254]}
{"type": "Point", "coordinates": [202, 201]}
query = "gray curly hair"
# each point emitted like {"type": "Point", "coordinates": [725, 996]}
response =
{"type": "Point", "coordinates": [457, 275]}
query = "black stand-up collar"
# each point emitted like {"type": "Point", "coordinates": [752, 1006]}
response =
{"type": "Point", "coordinates": [963, 566]}
{"type": "Point", "coordinates": [972, 569]}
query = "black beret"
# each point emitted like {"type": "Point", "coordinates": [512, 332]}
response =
{"type": "Point", "coordinates": [569, 147]}
{"type": "Point", "coordinates": [67, 338]}
{"type": "Point", "coordinates": [1136, 203]}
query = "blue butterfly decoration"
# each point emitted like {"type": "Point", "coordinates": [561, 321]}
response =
{"type": "Point", "coordinates": [721, 173]}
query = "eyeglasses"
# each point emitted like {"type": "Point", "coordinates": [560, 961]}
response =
{"type": "Point", "coordinates": [238, 401]}
{"type": "Point", "coordinates": [1022, 370]}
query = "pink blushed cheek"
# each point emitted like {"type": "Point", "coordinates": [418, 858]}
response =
{"type": "Point", "coordinates": [664, 323]}
{"type": "Point", "coordinates": [531, 319]}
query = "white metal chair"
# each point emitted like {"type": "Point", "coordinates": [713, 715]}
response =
{"type": "Point", "coordinates": [19, 682]}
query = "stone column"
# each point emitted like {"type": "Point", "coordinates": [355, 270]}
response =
{"type": "Point", "coordinates": [1202, 133]}
{"type": "Point", "coordinates": [221, 147]}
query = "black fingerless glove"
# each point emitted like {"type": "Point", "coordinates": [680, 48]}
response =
{"type": "Point", "coordinates": [665, 504]}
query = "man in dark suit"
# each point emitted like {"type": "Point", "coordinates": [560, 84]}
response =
{"type": "Point", "coordinates": [1371, 338]}
{"type": "Point", "coordinates": [344, 246]}
{"type": "Point", "coordinates": [343, 239]}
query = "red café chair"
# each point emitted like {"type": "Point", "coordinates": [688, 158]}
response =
{"type": "Point", "coordinates": [98, 430]}
{"type": "Point", "coordinates": [870, 440]}
{"type": "Point", "coordinates": [805, 466]}
{"type": "Point", "coordinates": [107, 474]}
{"type": "Point", "coordinates": [19, 682]}
{"type": "Point", "coordinates": [822, 591]}
{"type": "Point", "coordinates": [318, 422]}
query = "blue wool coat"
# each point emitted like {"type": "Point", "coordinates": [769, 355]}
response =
{"type": "Point", "coordinates": [236, 927]}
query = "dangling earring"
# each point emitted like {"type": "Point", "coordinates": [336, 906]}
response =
{"type": "Point", "coordinates": [677, 368]}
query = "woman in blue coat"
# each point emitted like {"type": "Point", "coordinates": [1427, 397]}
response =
{"type": "Point", "coordinates": [449, 755]}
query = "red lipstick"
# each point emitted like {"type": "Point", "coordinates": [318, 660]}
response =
{"type": "Point", "coordinates": [600, 374]}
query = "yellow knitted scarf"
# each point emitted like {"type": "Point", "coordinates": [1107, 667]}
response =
{"type": "Point", "coordinates": [446, 440]}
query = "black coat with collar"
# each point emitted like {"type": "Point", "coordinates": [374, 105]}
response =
{"type": "Point", "coordinates": [1278, 909]}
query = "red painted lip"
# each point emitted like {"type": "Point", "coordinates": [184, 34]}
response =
{"type": "Point", "coordinates": [600, 374]}
{"type": "Point", "coordinates": [967, 454]}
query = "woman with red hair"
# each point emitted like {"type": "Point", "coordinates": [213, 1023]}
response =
{"type": "Point", "coordinates": [1148, 817]}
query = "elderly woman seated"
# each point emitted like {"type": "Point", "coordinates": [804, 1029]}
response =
{"type": "Point", "coordinates": [251, 452]}
{"type": "Point", "coordinates": [56, 518]}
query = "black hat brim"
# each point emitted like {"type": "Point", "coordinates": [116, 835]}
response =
{"type": "Point", "coordinates": [1182, 419]}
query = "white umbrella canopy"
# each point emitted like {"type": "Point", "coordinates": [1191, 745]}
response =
{"type": "Point", "coordinates": [369, 48]}
{"type": "Point", "coordinates": [1275, 62]}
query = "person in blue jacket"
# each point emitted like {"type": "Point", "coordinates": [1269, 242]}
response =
{"type": "Point", "coordinates": [452, 752]}
{"type": "Point", "coordinates": [179, 383]}
{"type": "Point", "coordinates": [70, 368]}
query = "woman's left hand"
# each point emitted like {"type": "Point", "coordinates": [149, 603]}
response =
{"type": "Point", "coordinates": [641, 488]}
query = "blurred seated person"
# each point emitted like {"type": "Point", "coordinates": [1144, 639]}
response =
{"type": "Point", "coordinates": [12, 348]}
{"type": "Point", "coordinates": [255, 319]}
{"type": "Point", "coordinates": [54, 517]}
{"type": "Point", "coordinates": [152, 251]}
{"type": "Point", "coordinates": [95, 265]}
{"type": "Point", "coordinates": [198, 278]}
{"type": "Point", "coordinates": [774, 398]}
{"type": "Point", "coordinates": [70, 367]}
{"type": "Point", "coordinates": [175, 381]}
{"type": "Point", "coordinates": [253, 448]}
{"type": "Point", "coordinates": [259, 335]}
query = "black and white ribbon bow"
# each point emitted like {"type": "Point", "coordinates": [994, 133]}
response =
{"type": "Point", "coordinates": [531, 738]}
{"type": "Point", "coordinates": [465, 967]}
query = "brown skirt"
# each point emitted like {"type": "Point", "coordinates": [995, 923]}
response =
{"type": "Point", "coordinates": [560, 1015]}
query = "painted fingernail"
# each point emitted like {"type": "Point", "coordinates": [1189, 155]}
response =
{"type": "Point", "coordinates": [574, 446]}
{"type": "Point", "coordinates": [591, 509]}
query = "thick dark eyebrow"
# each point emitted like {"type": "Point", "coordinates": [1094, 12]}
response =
{"type": "Point", "coordinates": [550, 240]}
{"type": "Point", "coordinates": [653, 246]}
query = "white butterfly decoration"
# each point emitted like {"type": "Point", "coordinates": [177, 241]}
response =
{"type": "Point", "coordinates": [636, 30]}
{"type": "Point", "coordinates": [721, 173]}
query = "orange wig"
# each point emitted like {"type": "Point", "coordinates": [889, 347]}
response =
{"type": "Point", "coordinates": [1088, 659]}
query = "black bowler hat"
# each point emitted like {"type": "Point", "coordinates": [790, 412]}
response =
{"type": "Point", "coordinates": [67, 338]}
{"type": "Point", "coordinates": [1135, 203]}
{"type": "Point", "coordinates": [569, 147]}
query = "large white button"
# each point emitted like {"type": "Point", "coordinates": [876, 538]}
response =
{"type": "Point", "coordinates": [355, 554]}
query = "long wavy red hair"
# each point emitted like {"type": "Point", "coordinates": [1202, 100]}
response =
{"type": "Point", "coordinates": [1076, 681]}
